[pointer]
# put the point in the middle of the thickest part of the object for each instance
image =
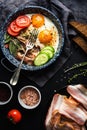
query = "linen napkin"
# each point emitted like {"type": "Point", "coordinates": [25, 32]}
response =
{"type": "Point", "coordinates": [64, 14]}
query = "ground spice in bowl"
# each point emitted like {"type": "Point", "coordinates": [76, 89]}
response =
{"type": "Point", "coordinates": [29, 97]}
{"type": "Point", "coordinates": [5, 93]}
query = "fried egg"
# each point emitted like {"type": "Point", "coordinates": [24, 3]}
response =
{"type": "Point", "coordinates": [47, 31]}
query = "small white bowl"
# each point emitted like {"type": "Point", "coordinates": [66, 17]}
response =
{"type": "Point", "coordinates": [6, 93]}
{"type": "Point", "coordinates": [29, 97]}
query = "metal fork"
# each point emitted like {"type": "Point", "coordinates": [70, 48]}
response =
{"type": "Point", "coordinates": [15, 77]}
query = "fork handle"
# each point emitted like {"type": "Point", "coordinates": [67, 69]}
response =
{"type": "Point", "coordinates": [15, 77]}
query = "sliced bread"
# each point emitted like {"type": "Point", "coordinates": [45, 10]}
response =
{"type": "Point", "coordinates": [81, 42]}
{"type": "Point", "coordinates": [80, 28]}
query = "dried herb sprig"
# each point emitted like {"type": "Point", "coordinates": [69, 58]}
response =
{"type": "Point", "coordinates": [76, 66]}
{"type": "Point", "coordinates": [82, 73]}
{"type": "Point", "coordinates": [33, 35]}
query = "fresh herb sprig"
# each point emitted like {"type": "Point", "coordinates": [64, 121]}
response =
{"type": "Point", "coordinates": [83, 72]}
{"type": "Point", "coordinates": [76, 66]}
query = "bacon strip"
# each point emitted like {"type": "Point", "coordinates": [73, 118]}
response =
{"type": "Point", "coordinates": [68, 113]}
{"type": "Point", "coordinates": [78, 92]}
{"type": "Point", "coordinates": [51, 109]}
{"type": "Point", "coordinates": [68, 108]}
{"type": "Point", "coordinates": [73, 111]}
{"type": "Point", "coordinates": [75, 115]}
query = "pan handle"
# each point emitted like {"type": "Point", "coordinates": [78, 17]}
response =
{"type": "Point", "coordinates": [3, 64]}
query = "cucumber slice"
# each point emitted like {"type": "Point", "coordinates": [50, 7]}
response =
{"type": "Point", "coordinates": [48, 52]}
{"type": "Point", "coordinates": [41, 59]}
{"type": "Point", "coordinates": [49, 48]}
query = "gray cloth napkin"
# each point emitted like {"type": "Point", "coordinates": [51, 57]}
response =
{"type": "Point", "coordinates": [64, 14]}
{"type": "Point", "coordinates": [79, 9]}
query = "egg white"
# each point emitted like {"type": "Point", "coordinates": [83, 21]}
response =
{"type": "Point", "coordinates": [52, 28]}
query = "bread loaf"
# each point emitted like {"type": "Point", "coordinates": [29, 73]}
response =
{"type": "Point", "coordinates": [80, 28]}
{"type": "Point", "coordinates": [81, 42]}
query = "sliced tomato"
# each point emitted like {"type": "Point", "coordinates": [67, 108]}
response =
{"type": "Point", "coordinates": [11, 32]}
{"type": "Point", "coordinates": [14, 27]}
{"type": "Point", "coordinates": [23, 21]}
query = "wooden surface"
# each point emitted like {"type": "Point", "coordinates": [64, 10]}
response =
{"type": "Point", "coordinates": [81, 42]}
{"type": "Point", "coordinates": [80, 28]}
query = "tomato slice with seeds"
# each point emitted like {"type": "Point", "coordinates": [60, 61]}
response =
{"type": "Point", "coordinates": [23, 21]}
{"type": "Point", "coordinates": [12, 32]}
{"type": "Point", "coordinates": [14, 27]}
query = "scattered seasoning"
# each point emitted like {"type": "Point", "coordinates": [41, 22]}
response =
{"type": "Point", "coordinates": [64, 77]}
{"type": "Point", "coordinates": [29, 96]}
{"type": "Point", "coordinates": [4, 93]}
{"type": "Point", "coordinates": [83, 73]}
{"type": "Point", "coordinates": [57, 81]}
{"type": "Point", "coordinates": [55, 90]}
{"type": "Point", "coordinates": [76, 66]}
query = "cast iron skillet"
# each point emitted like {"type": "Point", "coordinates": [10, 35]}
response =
{"type": "Point", "coordinates": [27, 10]}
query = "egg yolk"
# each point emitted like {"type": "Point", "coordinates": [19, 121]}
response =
{"type": "Point", "coordinates": [45, 36]}
{"type": "Point", "coordinates": [37, 20]}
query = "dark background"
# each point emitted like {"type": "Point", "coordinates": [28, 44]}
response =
{"type": "Point", "coordinates": [35, 119]}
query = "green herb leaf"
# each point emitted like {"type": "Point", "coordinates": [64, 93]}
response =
{"type": "Point", "coordinates": [7, 38]}
{"type": "Point", "coordinates": [14, 46]}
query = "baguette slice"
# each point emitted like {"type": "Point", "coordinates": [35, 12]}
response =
{"type": "Point", "coordinates": [81, 42]}
{"type": "Point", "coordinates": [80, 28]}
